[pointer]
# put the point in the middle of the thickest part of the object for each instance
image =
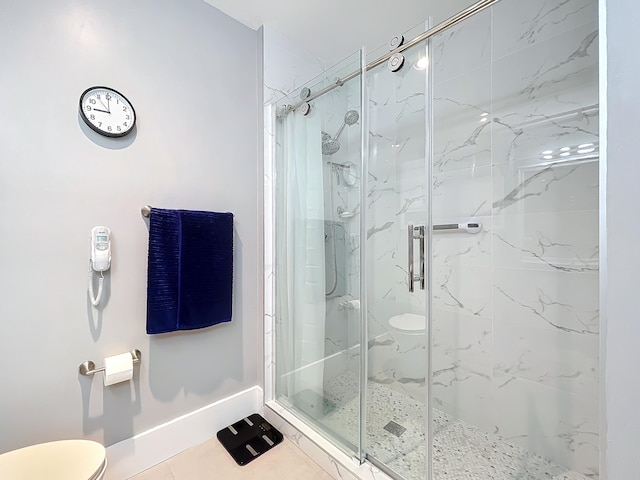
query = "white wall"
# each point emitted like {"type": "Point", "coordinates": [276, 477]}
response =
{"type": "Point", "coordinates": [334, 29]}
{"type": "Point", "coordinates": [622, 355]}
{"type": "Point", "coordinates": [191, 74]}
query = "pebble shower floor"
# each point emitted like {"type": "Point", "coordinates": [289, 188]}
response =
{"type": "Point", "coordinates": [461, 451]}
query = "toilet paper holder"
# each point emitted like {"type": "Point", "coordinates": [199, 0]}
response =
{"type": "Point", "coordinates": [89, 368]}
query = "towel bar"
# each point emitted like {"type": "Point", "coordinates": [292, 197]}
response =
{"type": "Point", "coordinates": [89, 368]}
{"type": "Point", "coordinates": [146, 210]}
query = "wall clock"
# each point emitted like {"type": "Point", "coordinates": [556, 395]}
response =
{"type": "Point", "coordinates": [107, 111]}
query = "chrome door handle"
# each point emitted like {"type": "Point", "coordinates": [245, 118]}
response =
{"type": "Point", "coordinates": [416, 233]}
{"type": "Point", "coordinates": [421, 232]}
{"type": "Point", "coordinates": [410, 255]}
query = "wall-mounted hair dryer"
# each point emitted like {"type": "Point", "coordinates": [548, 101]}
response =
{"type": "Point", "coordinates": [100, 259]}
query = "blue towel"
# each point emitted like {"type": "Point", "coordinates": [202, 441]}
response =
{"type": "Point", "coordinates": [190, 270]}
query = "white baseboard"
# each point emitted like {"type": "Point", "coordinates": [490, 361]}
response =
{"type": "Point", "coordinates": [136, 454]}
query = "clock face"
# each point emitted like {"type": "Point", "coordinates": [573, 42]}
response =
{"type": "Point", "coordinates": [107, 111]}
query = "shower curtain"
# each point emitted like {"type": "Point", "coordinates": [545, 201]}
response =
{"type": "Point", "coordinates": [300, 259]}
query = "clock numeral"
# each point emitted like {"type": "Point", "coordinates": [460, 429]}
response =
{"type": "Point", "coordinates": [109, 128]}
{"type": "Point", "coordinates": [124, 109]}
{"type": "Point", "coordinates": [99, 124]}
{"type": "Point", "coordinates": [88, 108]}
{"type": "Point", "coordinates": [124, 124]}
{"type": "Point", "coordinates": [92, 101]}
{"type": "Point", "coordinates": [108, 97]}
{"type": "Point", "coordinates": [98, 96]}
{"type": "Point", "coordinates": [119, 129]}
{"type": "Point", "coordinates": [92, 117]}
{"type": "Point", "coordinates": [128, 117]}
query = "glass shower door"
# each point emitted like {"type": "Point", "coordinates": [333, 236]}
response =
{"type": "Point", "coordinates": [515, 314]}
{"type": "Point", "coordinates": [317, 257]}
{"type": "Point", "coordinates": [398, 233]}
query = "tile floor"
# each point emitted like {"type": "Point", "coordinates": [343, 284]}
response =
{"type": "Point", "coordinates": [210, 461]}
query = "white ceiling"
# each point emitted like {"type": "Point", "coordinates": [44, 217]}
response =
{"type": "Point", "coordinates": [333, 29]}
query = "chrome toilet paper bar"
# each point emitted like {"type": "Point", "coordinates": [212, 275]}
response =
{"type": "Point", "coordinates": [89, 368]}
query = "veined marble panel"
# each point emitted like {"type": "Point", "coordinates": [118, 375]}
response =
{"type": "Point", "coordinates": [462, 194]}
{"type": "Point", "coordinates": [461, 48]}
{"type": "Point", "coordinates": [462, 121]}
{"type": "Point", "coordinates": [561, 362]}
{"type": "Point", "coordinates": [550, 302]}
{"type": "Point", "coordinates": [551, 77]}
{"type": "Point", "coordinates": [462, 289]}
{"type": "Point", "coordinates": [519, 25]}
{"type": "Point", "coordinates": [397, 112]}
{"type": "Point", "coordinates": [402, 373]}
{"type": "Point", "coordinates": [546, 139]}
{"type": "Point", "coordinates": [269, 251]}
{"type": "Point", "coordinates": [464, 338]}
{"type": "Point", "coordinates": [463, 390]}
{"type": "Point", "coordinates": [546, 328]}
{"type": "Point", "coordinates": [383, 261]}
{"type": "Point", "coordinates": [558, 241]}
{"type": "Point", "coordinates": [550, 422]}
{"type": "Point", "coordinates": [558, 187]}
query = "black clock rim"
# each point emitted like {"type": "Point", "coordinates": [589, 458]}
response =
{"type": "Point", "coordinates": [96, 129]}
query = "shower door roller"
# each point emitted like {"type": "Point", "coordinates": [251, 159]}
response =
{"type": "Point", "coordinates": [395, 62]}
{"type": "Point", "coordinates": [416, 233]}
{"type": "Point", "coordinates": [395, 42]}
{"type": "Point", "coordinates": [305, 93]}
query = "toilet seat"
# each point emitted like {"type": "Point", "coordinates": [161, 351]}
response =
{"type": "Point", "coordinates": [60, 460]}
{"type": "Point", "coordinates": [409, 323]}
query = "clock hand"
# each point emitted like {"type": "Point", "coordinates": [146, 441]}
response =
{"type": "Point", "coordinates": [98, 110]}
{"type": "Point", "coordinates": [108, 108]}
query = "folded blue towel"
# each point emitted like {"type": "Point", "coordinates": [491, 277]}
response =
{"type": "Point", "coordinates": [190, 269]}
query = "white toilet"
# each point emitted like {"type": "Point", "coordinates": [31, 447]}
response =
{"type": "Point", "coordinates": [60, 460]}
{"type": "Point", "coordinates": [408, 330]}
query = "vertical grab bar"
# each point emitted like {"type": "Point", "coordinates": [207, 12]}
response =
{"type": "Point", "coordinates": [421, 232]}
{"type": "Point", "coordinates": [410, 256]}
{"type": "Point", "coordinates": [411, 234]}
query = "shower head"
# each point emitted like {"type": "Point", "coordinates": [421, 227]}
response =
{"type": "Point", "coordinates": [351, 117]}
{"type": "Point", "coordinates": [331, 145]}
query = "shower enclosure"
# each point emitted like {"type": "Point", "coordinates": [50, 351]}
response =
{"type": "Point", "coordinates": [435, 248]}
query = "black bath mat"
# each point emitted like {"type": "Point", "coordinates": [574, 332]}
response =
{"type": "Point", "coordinates": [249, 438]}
